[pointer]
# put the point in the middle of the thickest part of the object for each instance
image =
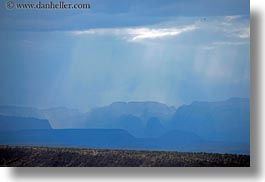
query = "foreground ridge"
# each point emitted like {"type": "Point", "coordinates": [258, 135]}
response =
{"type": "Point", "coordinates": [15, 156]}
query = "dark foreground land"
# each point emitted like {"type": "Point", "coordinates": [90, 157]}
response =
{"type": "Point", "coordinates": [68, 157]}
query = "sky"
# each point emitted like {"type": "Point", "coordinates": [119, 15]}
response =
{"type": "Point", "coordinates": [170, 51]}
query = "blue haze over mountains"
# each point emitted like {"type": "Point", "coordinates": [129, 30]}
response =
{"type": "Point", "coordinates": [173, 52]}
{"type": "Point", "coordinates": [222, 127]}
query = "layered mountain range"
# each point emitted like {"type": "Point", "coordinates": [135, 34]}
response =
{"type": "Point", "coordinates": [222, 126]}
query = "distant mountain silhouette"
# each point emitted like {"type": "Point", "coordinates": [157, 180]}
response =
{"type": "Point", "coordinates": [62, 117]}
{"type": "Point", "coordinates": [111, 116]}
{"type": "Point", "coordinates": [144, 110]}
{"type": "Point", "coordinates": [222, 126]}
{"type": "Point", "coordinates": [131, 116]}
{"type": "Point", "coordinates": [59, 117]}
{"type": "Point", "coordinates": [9, 123]}
{"type": "Point", "coordinates": [154, 128]}
{"type": "Point", "coordinates": [221, 121]}
{"type": "Point", "coordinates": [132, 124]}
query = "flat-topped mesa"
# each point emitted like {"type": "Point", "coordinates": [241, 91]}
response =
{"type": "Point", "coordinates": [12, 123]}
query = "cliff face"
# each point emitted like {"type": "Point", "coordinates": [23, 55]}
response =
{"type": "Point", "coordinates": [12, 123]}
{"type": "Point", "coordinates": [227, 121]}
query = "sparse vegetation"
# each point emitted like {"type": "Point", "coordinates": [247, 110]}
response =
{"type": "Point", "coordinates": [70, 157]}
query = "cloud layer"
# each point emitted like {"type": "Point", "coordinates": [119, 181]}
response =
{"type": "Point", "coordinates": [140, 33]}
{"type": "Point", "coordinates": [175, 62]}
